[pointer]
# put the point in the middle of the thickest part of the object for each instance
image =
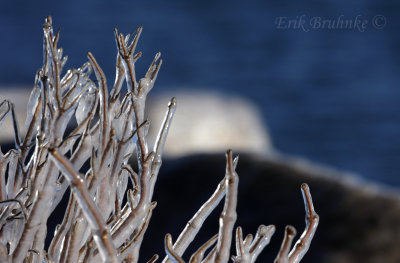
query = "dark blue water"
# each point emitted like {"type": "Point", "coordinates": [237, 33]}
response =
{"type": "Point", "coordinates": [331, 95]}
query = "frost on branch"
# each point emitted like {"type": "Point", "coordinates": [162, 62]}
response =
{"type": "Point", "coordinates": [83, 137]}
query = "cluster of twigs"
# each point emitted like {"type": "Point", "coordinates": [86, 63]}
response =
{"type": "Point", "coordinates": [247, 249]}
{"type": "Point", "coordinates": [80, 135]}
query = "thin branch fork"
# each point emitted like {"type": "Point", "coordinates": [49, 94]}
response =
{"type": "Point", "coordinates": [129, 220]}
{"type": "Point", "coordinates": [303, 244]}
{"type": "Point", "coordinates": [248, 250]}
{"type": "Point", "coordinates": [170, 250]}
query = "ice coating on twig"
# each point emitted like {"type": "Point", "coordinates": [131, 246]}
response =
{"type": "Point", "coordinates": [80, 135]}
{"type": "Point", "coordinates": [106, 134]}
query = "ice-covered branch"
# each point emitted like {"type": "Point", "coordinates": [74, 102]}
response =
{"type": "Point", "coordinates": [80, 136]}
{"type": "Point", "coordinates": [228, 215]}
{"type": "Point", "coordinates": [283, 255]}
{"type": "Point", "coordinates": [100, 232]}
{"type": "Point", "coordinates": [248, 250]}
{"type": "Point", "coordinates": [170, 250]}
{"type": "Point", "coordinates": [194, 224]}
{"type": "Point", "coordinates": [312, 219]}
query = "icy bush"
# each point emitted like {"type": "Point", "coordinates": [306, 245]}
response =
{"type": "Point", "coordinates": [80, 135]}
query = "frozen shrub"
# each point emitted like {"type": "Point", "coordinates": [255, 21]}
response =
{"type": "Point", "coordinates": [105, 221]}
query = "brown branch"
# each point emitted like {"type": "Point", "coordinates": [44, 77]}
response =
{"type": "Point", "coordinates": [312, 219]}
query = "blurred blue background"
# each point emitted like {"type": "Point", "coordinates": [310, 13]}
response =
{"type": "Point", "coordinates": [331, 95]}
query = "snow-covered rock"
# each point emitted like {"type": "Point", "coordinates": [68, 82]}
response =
{"type": "Point", "coordinates": [210, 122]}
